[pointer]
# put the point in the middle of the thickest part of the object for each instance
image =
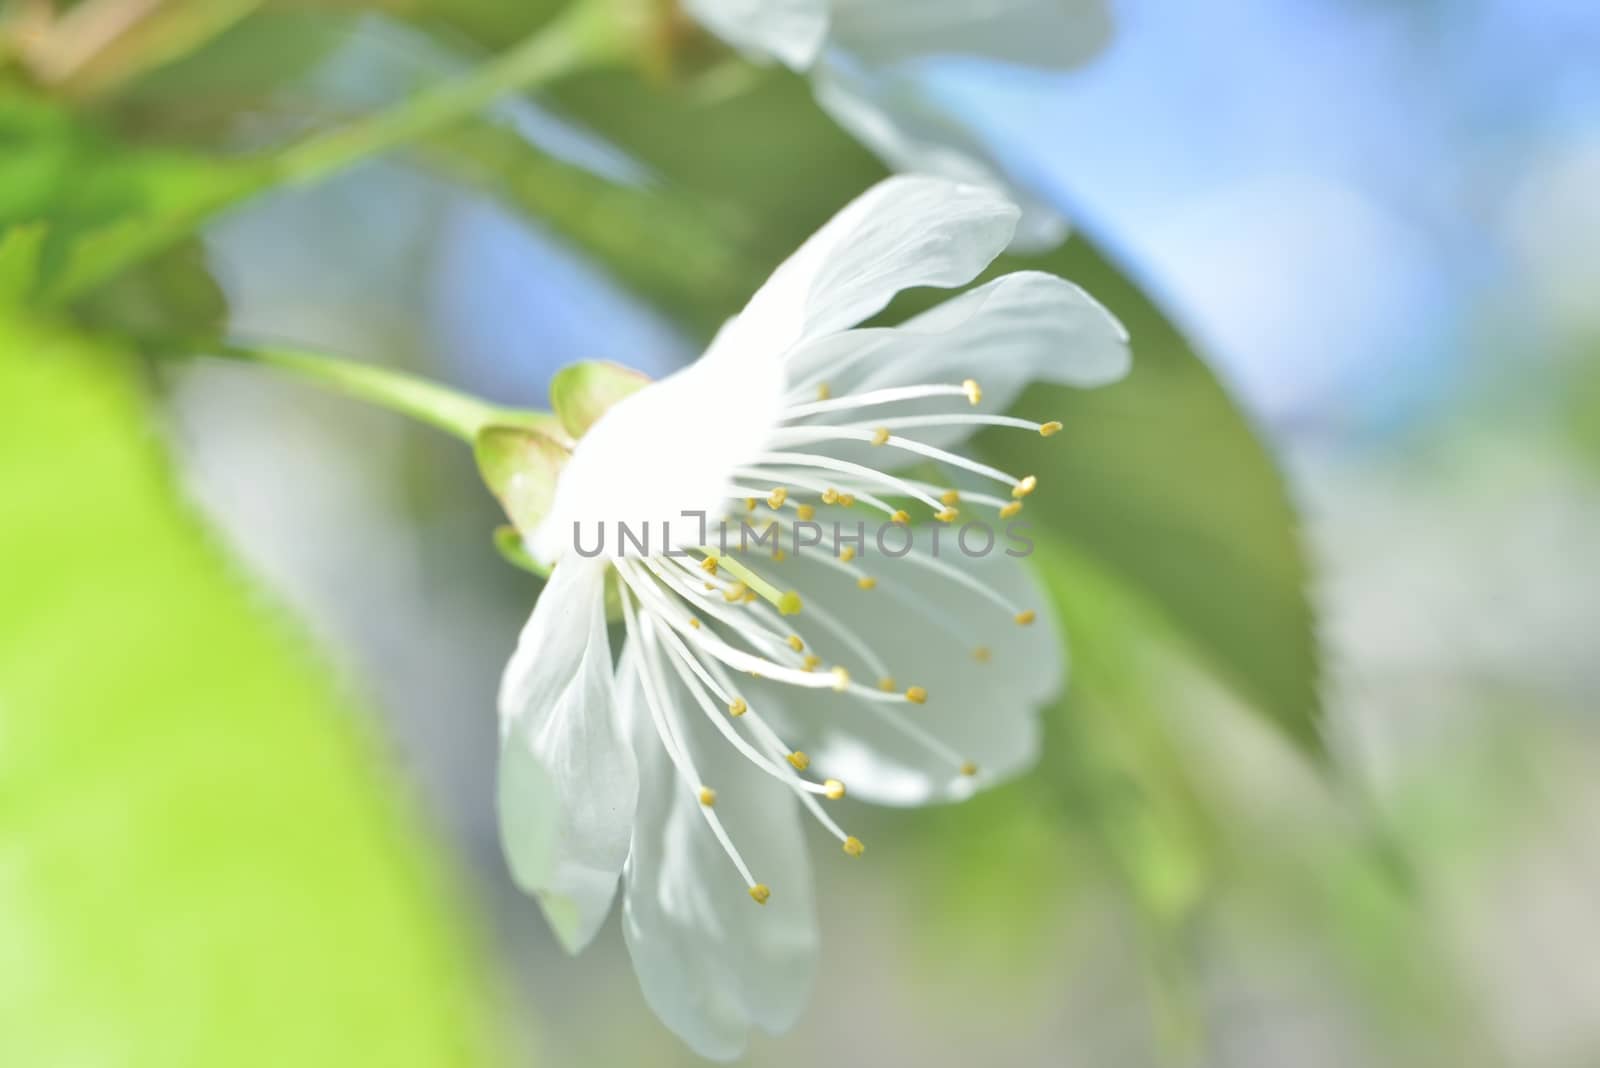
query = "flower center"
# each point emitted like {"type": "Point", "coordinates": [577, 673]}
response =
{"type": "Point", "coordinates": [698, 619]}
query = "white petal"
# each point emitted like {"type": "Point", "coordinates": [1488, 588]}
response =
{"type": "Point", "coordinates": [890, 114]}
{"type": "Point", "coordinates": [672, 446]}
{"type": "Point", "coordinates": [791, 31]}
{"type": "Point", "coordinates": [568, 785]}
{"type": "Point", "coordinates": [1051, 34]}
{"type": "Point", "coordinates": [927, 630]}
{"type": "Point", "coordinates": [903, 232]}
{"type": "Point", "coordinates": [711, 962]}
{"type": "Point", "coordinates": [1022, 328]}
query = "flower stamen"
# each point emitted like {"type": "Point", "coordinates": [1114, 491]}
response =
{"type": "Point", "coordinates": [711, 644]}
{"type": "Point", "coordinates": [799, 435]}
{"type": "Point", "coordinates": [654, 691]}
{"type": "Point", "coordinates": [697, 681]}
{"type": "Point", "coordinates": [873, 398]}
{"type": "Point", "coordinates": [829, 463]}
{"type": "Point", "coordinates": [843, 500]}
{"type": "Point", "coordinates": [786, 602]}
{"type": "Point", "coordinates": [914, 422]}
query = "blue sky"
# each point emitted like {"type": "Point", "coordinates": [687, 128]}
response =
{"type": "Point", "coordinates": [1313, 187]}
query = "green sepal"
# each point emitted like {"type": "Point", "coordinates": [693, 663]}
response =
{"type": "Point", "coordinates": [528, 419]}
{"type": "Point", "coordinates": [581, 393]}
{"type": "Point", "coordinates": [520, 466]}
{"type": "Point", "coordinates": [508, 542]}
{"type": "Point", "coordinates": [613, 597]}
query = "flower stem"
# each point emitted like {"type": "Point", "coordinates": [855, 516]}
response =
{"type": "Point", "coordinates": [574, 40]}
{"type": "Point", "coordinates": [582, 36]}
{"type": "Point", "coordinates": [427, 402]}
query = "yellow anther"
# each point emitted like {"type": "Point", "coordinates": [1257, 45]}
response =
{"type": "Point", "coordinates": [823, 392]}
{"type": "Point", "coordinates": [950, 497]}
{"type": "Point", "coordinates": [947, 516]}
{"type": "Point", "coordinates": [777, 497]}
{"type": "Point", "coordinates": [1024, 618]}
{"type": "Point", "coordinates": [917, 695]}
{"type": "Point", "coordinates": [969, 769]}
{"type": "Point", "coordinates": [847, 500]}
{"type": "Point", "coordinates": [853, 846]}
{"type": "Point", "coordinates": [711, 586]}
{"type": "Point", "coordinates": [806, 511]}
{"type": "Point", "coordinates": [982, 654]}
{"type": "Point", "coordinates": [750, 598]}
{"type": "Point", "coordinates": [867, 582]}
{"type": "Point", "coordinates": [847, 554]}
{"type": "Point", "coordinates": [734, 592]}
{"type": "Point", "coordinates": [833, 789]}
{"type": "Point", "coordinates": [708, 796]}
{"type": "Point", "coordinates": [788, 605]}
{"type": "Point", "coordinates": [737, 707]}
{"type": "Point", "coordinates": [811, 662]}
{"type": "Point", "coordinates": [795, 643]}
{"type": "Point", "coordinates": [973, 390]}
{"type": "Point", "coordinates": [880, 436]}
{"type": "Point", "coordinates": [749, 504]}
{"type": "Point", "coordinates": [799, 761]}
{"type": "Point", "coordinates": [841, 679]}
{"type": "Point", "coordinates": [886, 684]}
{"type": "Point", "coordinates": [1052, 427]}
{"type": "Point", "coordinates": [709, 565]}
{"type": "Point", "coordinates": [1025, 487]}
{"type": "Point", "coordinates": [693, 622]}
{"type": "Point", "coordinates": [902, 517]}
{"type": "Point", "coordinates": [830, 495]}
{"type": "Point", "coordinates": [779, 556]}
{"type": "Point", "coordinates": [1011, 510]}
{"type": "Point", "coordinates": [760, 892]}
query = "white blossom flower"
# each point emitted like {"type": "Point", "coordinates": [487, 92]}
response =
{"type": "Point", "coordinates": [756, 687]}
{"type": "Point", "coordinates": [862, 57]}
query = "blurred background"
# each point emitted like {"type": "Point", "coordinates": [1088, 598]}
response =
{"type": "Point", "coordinates": [1376, 223]}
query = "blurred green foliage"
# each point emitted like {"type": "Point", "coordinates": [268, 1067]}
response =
{"type": "Point", "coordinates": [93, 190]}
{"type": "Point", "coordinates": [201, 860]}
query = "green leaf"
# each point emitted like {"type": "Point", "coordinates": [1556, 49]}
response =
{"type": "Point", "coordinates": [21, 248]}
{"type": "Point", "coordinates": [1163, 480]}
{"type": "Point", "coordinates": [98, 197]}
{"type": "Point", "coordinates": [201, 862]}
